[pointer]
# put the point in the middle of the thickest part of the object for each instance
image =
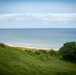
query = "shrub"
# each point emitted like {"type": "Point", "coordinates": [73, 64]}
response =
{"type": "Point", "coordinates": [68, 51]}
{"type": "Point", "coordinates": [54, 53]}
{"type": "Point", "coordinates": [41, 52]}
{"type": "Point", "coordinates": [2, 45]}
{"type": "Point", "coordinates": [29, 51]}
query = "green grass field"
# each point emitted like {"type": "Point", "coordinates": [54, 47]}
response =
{"type": "Point", "coordinates": [15, 61]}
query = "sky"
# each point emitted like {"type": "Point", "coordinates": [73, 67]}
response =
{"type": "Point", "coordinates": [37, 13]}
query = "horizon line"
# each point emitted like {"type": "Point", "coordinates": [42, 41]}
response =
{"type": "Point", "coordinates": [37, 28]}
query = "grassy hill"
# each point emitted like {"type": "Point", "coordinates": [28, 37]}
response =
{"type": "Point", "coordinates": [15, 61]}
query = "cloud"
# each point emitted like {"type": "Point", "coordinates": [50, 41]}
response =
{"type": "Point", "coordinates": [64, 17]}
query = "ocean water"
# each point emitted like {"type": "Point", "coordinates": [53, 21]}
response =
{"type": "Point", "coordinates": [51, 38]}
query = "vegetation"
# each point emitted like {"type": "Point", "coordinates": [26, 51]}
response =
{"type": "Point", "coordinates": [68, 51]}
{"type": "Point", "coordinates": [2, 45]}
{"type": "Point", "coordinates": [53, 53]}
{"type": "Point", "coordinates": [16, 61]}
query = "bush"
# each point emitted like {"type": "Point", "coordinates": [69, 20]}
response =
{"type": "Point", "coordinates": [28, 51]}
{"type": "Point", "coordinates": [68, 51]}
{"type": "Point", "coordinates": [41, 55]}
{"type": "Point", "coordinates": [52, 52]}
{"type": "Point", "coordinates": [39, 52]}
{"type": "Point", "coordinates": [2, 45]}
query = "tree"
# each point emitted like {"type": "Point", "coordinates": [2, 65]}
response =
{"type": "Point", "coordinates": [68, 51]}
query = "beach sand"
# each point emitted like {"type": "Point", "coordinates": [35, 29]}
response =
{"type": "Point", "coordinates": [30, 47]}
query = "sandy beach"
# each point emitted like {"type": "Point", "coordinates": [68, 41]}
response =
{"type": "Point", "coordinates": [31, 47]}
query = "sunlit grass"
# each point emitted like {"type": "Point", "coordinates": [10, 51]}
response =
{"type": "Point", "coordinates": [15, 61]}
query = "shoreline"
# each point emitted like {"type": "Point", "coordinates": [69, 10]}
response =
{"type": "Point", "coordinates": [30, 47]}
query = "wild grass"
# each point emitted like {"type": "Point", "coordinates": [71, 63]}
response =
{"type": "Point", "coordinates": [15, 61]}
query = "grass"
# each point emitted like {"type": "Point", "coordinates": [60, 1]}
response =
{"type": "Point", "coordinates": [15, 61]}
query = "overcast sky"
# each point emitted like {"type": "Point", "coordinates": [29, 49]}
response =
{"type": "Point", "coordinates": [37, 13]}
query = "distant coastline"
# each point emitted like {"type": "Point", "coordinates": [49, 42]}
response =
{"type": "Point", "coordinates": [30, 47]}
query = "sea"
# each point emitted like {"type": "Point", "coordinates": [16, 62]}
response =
{"type": "Point", "coordinates": [48, 38]}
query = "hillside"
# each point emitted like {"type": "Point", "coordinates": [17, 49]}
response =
{"type": "Point", "coordinates": [15, 61]}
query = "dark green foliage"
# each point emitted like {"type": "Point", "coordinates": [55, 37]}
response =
{"type": "Point", "coordinates": [29, 52]}
{"type": "Point", "coordinates": [38, 52]}
{"type": "Point", "coordinates": [68, 51]}
{"type": "Point", "coordinates": [52, 52]}
{"type": "Point", "coordinates": [2, 45]}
